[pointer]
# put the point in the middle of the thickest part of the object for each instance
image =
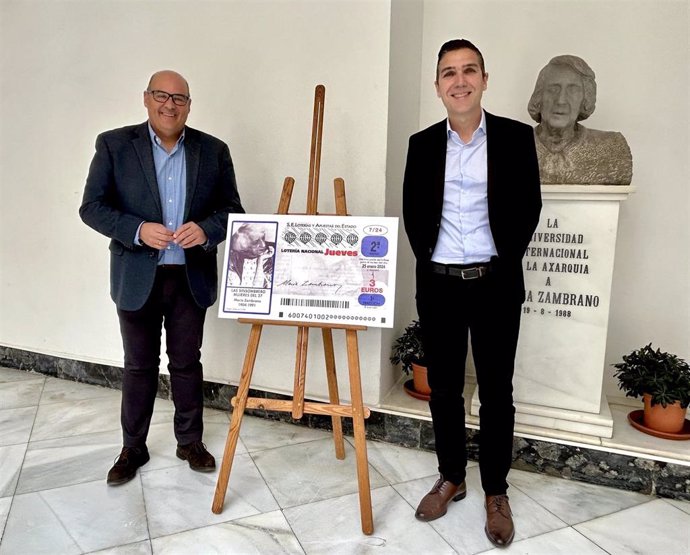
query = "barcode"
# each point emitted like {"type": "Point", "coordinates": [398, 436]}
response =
{"type": "Point", "coordinates": [320, 303]}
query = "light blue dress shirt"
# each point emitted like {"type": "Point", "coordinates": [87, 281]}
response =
{"type": "Point", "coordinates": [465, 235]}
{"type": "Point", "coordinates": [171, 174]}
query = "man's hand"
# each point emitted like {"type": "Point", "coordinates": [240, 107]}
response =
{"type": "Point", "coordinates": [156, 236]}
{"type": "Point", "coordinates": [189, 235]}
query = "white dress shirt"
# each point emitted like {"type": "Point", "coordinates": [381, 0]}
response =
{"type": "Point", "coordinates": [465, 235]}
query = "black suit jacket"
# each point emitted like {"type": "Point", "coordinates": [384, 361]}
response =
{"type": "Point", "coordinates": [513, 190]}
{"type": "Point", "coordinates": [122, 192]}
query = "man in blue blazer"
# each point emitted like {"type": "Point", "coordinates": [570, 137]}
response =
{"type": "Point", "coordinates": [471, 202]}
{"type": "Point", "coordinates": [162, 193]}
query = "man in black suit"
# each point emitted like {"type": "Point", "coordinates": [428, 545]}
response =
{"type": "Point", "coordinates": [162, 193]}
{"type": "Point", "coordinates": [471, 201]}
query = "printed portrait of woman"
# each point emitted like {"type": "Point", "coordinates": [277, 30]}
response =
{"type": "Point", "coordinates": [252, 251]}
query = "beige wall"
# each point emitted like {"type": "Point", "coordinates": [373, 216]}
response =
{"type": "Point", "coordinates": [403, 120]}
{"type": "Point", "coordinates": [75, 68]}
{"type": "Point", "coordinates": [640, 54]}
{"type": "Point", "coordinates": [72, 69]}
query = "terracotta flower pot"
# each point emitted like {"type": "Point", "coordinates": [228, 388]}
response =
{"type": "Point", "coordinates": [421, 385]}
{"type": "Point", "coordinates": [669, 419]}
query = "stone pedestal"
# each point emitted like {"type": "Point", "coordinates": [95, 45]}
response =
{"type": "Point", "coordinates": [568, 271]}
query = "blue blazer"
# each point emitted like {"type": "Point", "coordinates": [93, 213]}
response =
{"type": "Point", "coordinates": [122, 192]}
{"type": "Point", "coordinates": [513, 193]}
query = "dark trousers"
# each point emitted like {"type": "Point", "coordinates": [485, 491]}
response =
{"type": "Point", "coordinates": [448, 308]}
{"type": "Point", "coordinates": [170, 304]}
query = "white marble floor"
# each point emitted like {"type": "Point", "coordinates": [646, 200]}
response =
{"type": "Point", "coordinates": [287, 494]}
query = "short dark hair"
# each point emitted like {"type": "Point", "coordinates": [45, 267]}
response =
{"type": "Point", "coordinates": [458, 44]}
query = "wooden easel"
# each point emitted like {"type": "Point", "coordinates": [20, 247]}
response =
{"type": "Point", "coordinates": [357, 411]}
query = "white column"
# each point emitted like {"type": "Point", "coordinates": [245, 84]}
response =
{"type": "Point", "coordinates": [568, 271]}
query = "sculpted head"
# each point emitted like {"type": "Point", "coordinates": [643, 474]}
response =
{"type": "Point", "coordinates": [565, 93]}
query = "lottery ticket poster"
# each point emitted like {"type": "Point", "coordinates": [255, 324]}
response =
{"type": "Point", "coordinates": [322, 269]}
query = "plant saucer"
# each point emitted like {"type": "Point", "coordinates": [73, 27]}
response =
{"type": "Point", "coordinates": [636, 419]}
{"type": "Point", "coordinates": [410, 390]}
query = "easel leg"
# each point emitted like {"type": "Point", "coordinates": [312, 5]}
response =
{"type": "Point", "coordinates": [360, 438]}
{"type": "Point", "coordinates": [237, 414]}
{"type": "Point", "coordinates": [333, 396]}
{"type": "Point", "coordinates": [300, 372]}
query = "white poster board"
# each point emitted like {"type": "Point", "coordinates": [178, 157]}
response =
{"type": "Point", "coordinates": [322, 269]}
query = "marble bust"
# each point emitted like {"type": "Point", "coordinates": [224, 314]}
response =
{"type": "Point", "coordinates": [569, 153]}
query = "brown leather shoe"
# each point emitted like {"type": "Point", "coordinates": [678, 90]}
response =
{"type": "Point", "coordinates": [499, 520]}
{"type": "Point", "coordinates": [126, 465]}
{"type": "Point", "coordinates": [198, 457]}
{"type": "Point", "coordinates": [435, 503]}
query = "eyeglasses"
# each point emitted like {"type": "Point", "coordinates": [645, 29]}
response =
{"type": "Point", "coordinates": [162, 97]}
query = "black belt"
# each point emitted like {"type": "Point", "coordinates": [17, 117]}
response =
{"type": "Point", "coordinates": [170, 266]}
{"type": "Point", "coordinates": [463, 271]}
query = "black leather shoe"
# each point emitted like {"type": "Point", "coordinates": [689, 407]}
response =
{"type": "Point", "coordinates": [435, 503]}
{"type": "Point", "coordinates": [126, 464]}
{"type": "Point", "coordinates": [199, 459]}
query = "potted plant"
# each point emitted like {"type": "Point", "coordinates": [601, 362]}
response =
{"type": "Point", "coordinates": [408, 351]}
{"type": "Point", "coordinates": [663, 380]}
